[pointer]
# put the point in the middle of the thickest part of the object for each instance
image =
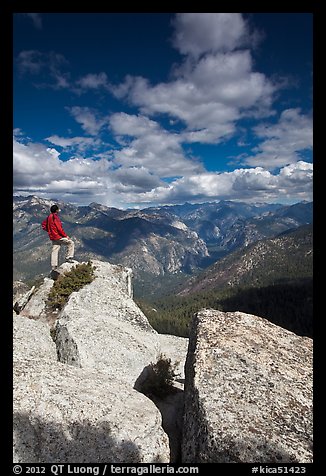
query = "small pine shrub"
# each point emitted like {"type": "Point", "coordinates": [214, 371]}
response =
{"type": "Point", "coordinates": [66, 284]}
{"type": "Point", "coordinates": [160, 378]}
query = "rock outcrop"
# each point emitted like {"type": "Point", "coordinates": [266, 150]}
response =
{"type": "Point", "coordinates": [34, 303]}
{"type": "Point", "coordinates": [102, 328]}
{"type": "Point", "coordinates": [248, 392]}
{"type": "Point", "coordinates": [79, 377]}
{"type": "Point", "coordinates": [74, 399]}
{"type": "Point", "coordinates": [20, 301]}
{"type": "Point", "coordinates": [19, 289]}
{"type": "Point", "coordinates": [68, 414]}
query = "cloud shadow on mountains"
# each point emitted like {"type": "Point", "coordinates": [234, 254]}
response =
{"type": "Point", "coordinates": [126, 232]}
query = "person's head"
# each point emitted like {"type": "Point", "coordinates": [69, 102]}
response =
{"type": "Point", "coordinates": [54, 209]}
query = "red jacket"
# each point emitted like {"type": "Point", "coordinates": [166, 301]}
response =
{"type": "Point", "coordinates": [55, 229]}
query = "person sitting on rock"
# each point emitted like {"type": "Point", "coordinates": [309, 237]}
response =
{"type": "Point", "coordinates": [52, 224]}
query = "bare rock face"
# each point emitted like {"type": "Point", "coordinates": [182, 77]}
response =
{"type": "Point", "coordinates": [248, 392]}
{"type": "Point", "coordinates": [175, 348]}
{"type": "Point", "coordinates": [31, 303]}
{"type": "Point", "coordinates": [64, 414]}
{"type": "Point", "coordinates": [84, 407]}
{"type": "Point", "coordinates": [32, 340]}
{"type": "Point", "coordinates": [21, 301]}
{"type": "Point", "coordinates": [35, 307]}
{"type": "Point", "coordinates": [19, 289]}
{"type": "Point", "coordinates": [102, 328]}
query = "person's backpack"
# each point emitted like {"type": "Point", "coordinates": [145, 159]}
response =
{"type": "Point", "coordinates": [45, 224]}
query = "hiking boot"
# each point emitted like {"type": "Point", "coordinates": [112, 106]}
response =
{"type": "Point", "coordinates": [54, 273]}
{"type": "Point", "coordinates": [71, 260]}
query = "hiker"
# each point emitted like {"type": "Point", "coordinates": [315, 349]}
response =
{"type": "Point", "coordinates": [52, 224]}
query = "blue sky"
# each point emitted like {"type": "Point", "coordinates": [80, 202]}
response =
{"type": "Point", "coordinates": [144, 109]}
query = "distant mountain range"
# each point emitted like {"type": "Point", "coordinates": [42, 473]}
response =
{"type": "Point", "coordinates": [271, 278]}
{"type": "Point", "coordinates": [162, 245]}
{"type": "Point", "coordinates": [266, 262]}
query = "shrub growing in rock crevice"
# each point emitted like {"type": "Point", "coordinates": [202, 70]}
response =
{"type": "Point", "coordinates": [160, 378]}
{"type": "Point", "coordinates": [69, 282]}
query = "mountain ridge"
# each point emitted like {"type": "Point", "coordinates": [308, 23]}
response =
{"type": "Point", "coordinates": [272, 278]}
{"type": "Point", "coordinates": [159, 245]}
{"type": "Point", "coordinates": [243, 266]}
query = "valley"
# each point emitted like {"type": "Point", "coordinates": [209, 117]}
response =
{"type": "Point", "coordinates": [227, 255]}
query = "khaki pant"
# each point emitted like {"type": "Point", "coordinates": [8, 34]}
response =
{"type": "Point", "coordinates": [56, 244]}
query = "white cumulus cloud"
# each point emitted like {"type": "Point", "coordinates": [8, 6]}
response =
{"type": "Point", "coordinates": [198, 33]}
{"type": "Point", "coordinates": [284, 141]}
{"type": "Point", "coordinates": [88, 118]}
{"type": "Point", "coordinates": [38, 169]}
{"type": "Point", "coordinates": [151, 147]}
{"type": "Point", "coordinates": [252, 185]}
{"type": "Point", "coordinates": [207, 95]}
